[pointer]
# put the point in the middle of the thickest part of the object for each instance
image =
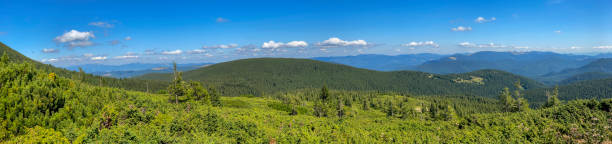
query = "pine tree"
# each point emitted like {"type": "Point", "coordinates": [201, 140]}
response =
{"type": "Point", "coordinates": [4, 59]}
{"type": "Point", "coordinates": [176, 89]}
{"type": "Point", "coordinates": [521, 103]}
{"type": "Point", "coordinates": [340, 108]}
{"type": "Point", "coordinates": [324, 93]}
{"type": "Point", "coordinates": [506, 100]}
{"type": "Point", "coordinates": [552, 99]}
{"type": "Point", "coordinates": [215, 98]}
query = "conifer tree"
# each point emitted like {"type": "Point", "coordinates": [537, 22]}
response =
{"type": "Point", "coordinates": [552, 99]}
{"type": "Point", "coordinates": [215, 98]}
{"type": "Point", "coordinates": [4, 59]}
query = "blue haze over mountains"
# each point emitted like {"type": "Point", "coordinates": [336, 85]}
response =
{"type": "Point", "coordinates": [547, 67]}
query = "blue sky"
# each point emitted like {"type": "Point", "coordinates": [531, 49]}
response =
{"type": "Point", "coordinates": [117, 32]}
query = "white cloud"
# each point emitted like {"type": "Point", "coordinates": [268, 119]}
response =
{"type": "Point", "coordinates": [51, 60]}
{"type": "Point", "coordinates": [489, 45]}
{"type": "Point", "coordinates": [222, 20]}
{"type": "Point", "coordinates": [297, 44]}
{"type": "Point", "coordinates": [175, 52]}
{"type": "Point", "coordinates": [222, 46]}
{"type": "Point", "coordinates": [462, 28]}
{"type": "Point", "coordinates": [557, 31]}
{"type": "Point", "coordinates": [129, 55]}
{"type": "Point", "coordinates": [126, 57]}
{"type": "Point", "coordinates": [50, 50]}
{"type": "Point", "coordinates": [101, 24]}
{"type": "Point", "coordinates": [484, 20]}
{"type": "Point", "coordinates": [88, 55]}
{"type": "Point", "coordinates": [128, 38]}
{"type": "Point", "coordinates": [196, 51]}
{"type": "Point", "coordinates": [291, 44]}
{"type": "Point", "coordinates": [421, 44]}
{"type": "Point", "coordinates": [208, 55]}
{"type": "Point", "coordinates": [98, 58]}
{"type": "Point", "coordinates": [575, 47]}
{"type": "Point", "coordinates": [334, 41]}
{"type": "Point", "coordinates": [74, 35]}
{"type": "Point", "coordinates": [603, 47]}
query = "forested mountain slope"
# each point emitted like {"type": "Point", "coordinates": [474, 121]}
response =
{"type": "Point", "coordinates": [39, 107]}
{"type": "Point", "coordinates": [131, 84]}
{"type": "Point", "coordinates": [598, 69]}
{"type": "Point", "coordinates": [589, 89]}
{"type": "Point", "coordinates": [259, 76]}
{"type": "Point", "coordinates": [530, 64]}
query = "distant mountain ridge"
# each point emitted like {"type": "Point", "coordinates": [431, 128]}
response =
{"type": "Point", "coordinates": [133, 69]}
{"type": "Point", "coordinates": [530, 64]}
{"type": "Point", "coordinates": [598, 69]}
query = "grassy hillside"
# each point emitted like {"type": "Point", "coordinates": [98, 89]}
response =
{"type": "Point", "coordinates": [131, 84]}
{"type": "Point", "coordinates": [261, 76]}
{"type": "Point", "coordinates": [37, 107]}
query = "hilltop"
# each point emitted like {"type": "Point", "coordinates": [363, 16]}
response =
{"type": "Point", "coordinates": [258, 76]}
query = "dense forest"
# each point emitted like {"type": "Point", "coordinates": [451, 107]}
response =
{"type": "Point", "coordinates": [130, 84]}
{"type": "Point", "coordinates": [261, 76]}
{"type": "Point", "coordinates": [38, 106]}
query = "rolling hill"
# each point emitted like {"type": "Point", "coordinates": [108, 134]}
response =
{"type": "Point", "coordinates": [131, 84]}
{"type": "Point", "coordinates": [529, 64]}
{"type": "Point", "coordinates": [259, 76]}
{"type": "Point", "coordinates": [598, 69]}
{"type": "Point", "coordinates": [382, 62]}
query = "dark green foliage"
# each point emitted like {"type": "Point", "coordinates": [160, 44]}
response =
{"type": "Point", "coordinates": [215, 98]}
{"type": "Point", "coordinates": [260, 76]}
{"type": "Point", "coordinates": [129, 84]}
{"type": "Point", "coordinates": [552, 98]}
{"type": "Point", "coordinates": [591, 89]}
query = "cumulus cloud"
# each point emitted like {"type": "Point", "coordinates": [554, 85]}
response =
{"type": "Point", "coordinates": [334, 42]}
{"type": "Point", "coordinates": [174, 52]}
{"type": "Point", "coordinates": [291, 44]}
{"type": "Point", "coordinates": [74, 38]}
{"type": "Point", "coordinates": [128, 38]}
{"type": "Point", "coordinates": [421, 44]}
{"type": "Point", "coordinates": [461, 28]}
{"type": "Point", "coordinates": [603, 47]}
{"type": "Point", "coordinates": [557, 31]}
{"type": "Point", "coordinates": [74, 35]}
{"type": "Point", "coordinates": [98, 58]}
{"type": "Point", "coordinates": [484, 20]}
{"type": "Point", "coordinates": [222, 20]}
{"type": "Point", "coordinates": [221, 46]}
{"type": "Point", "coordinates": [102, 24]}
{"type": "Point", "coordinates": [50, 50]}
